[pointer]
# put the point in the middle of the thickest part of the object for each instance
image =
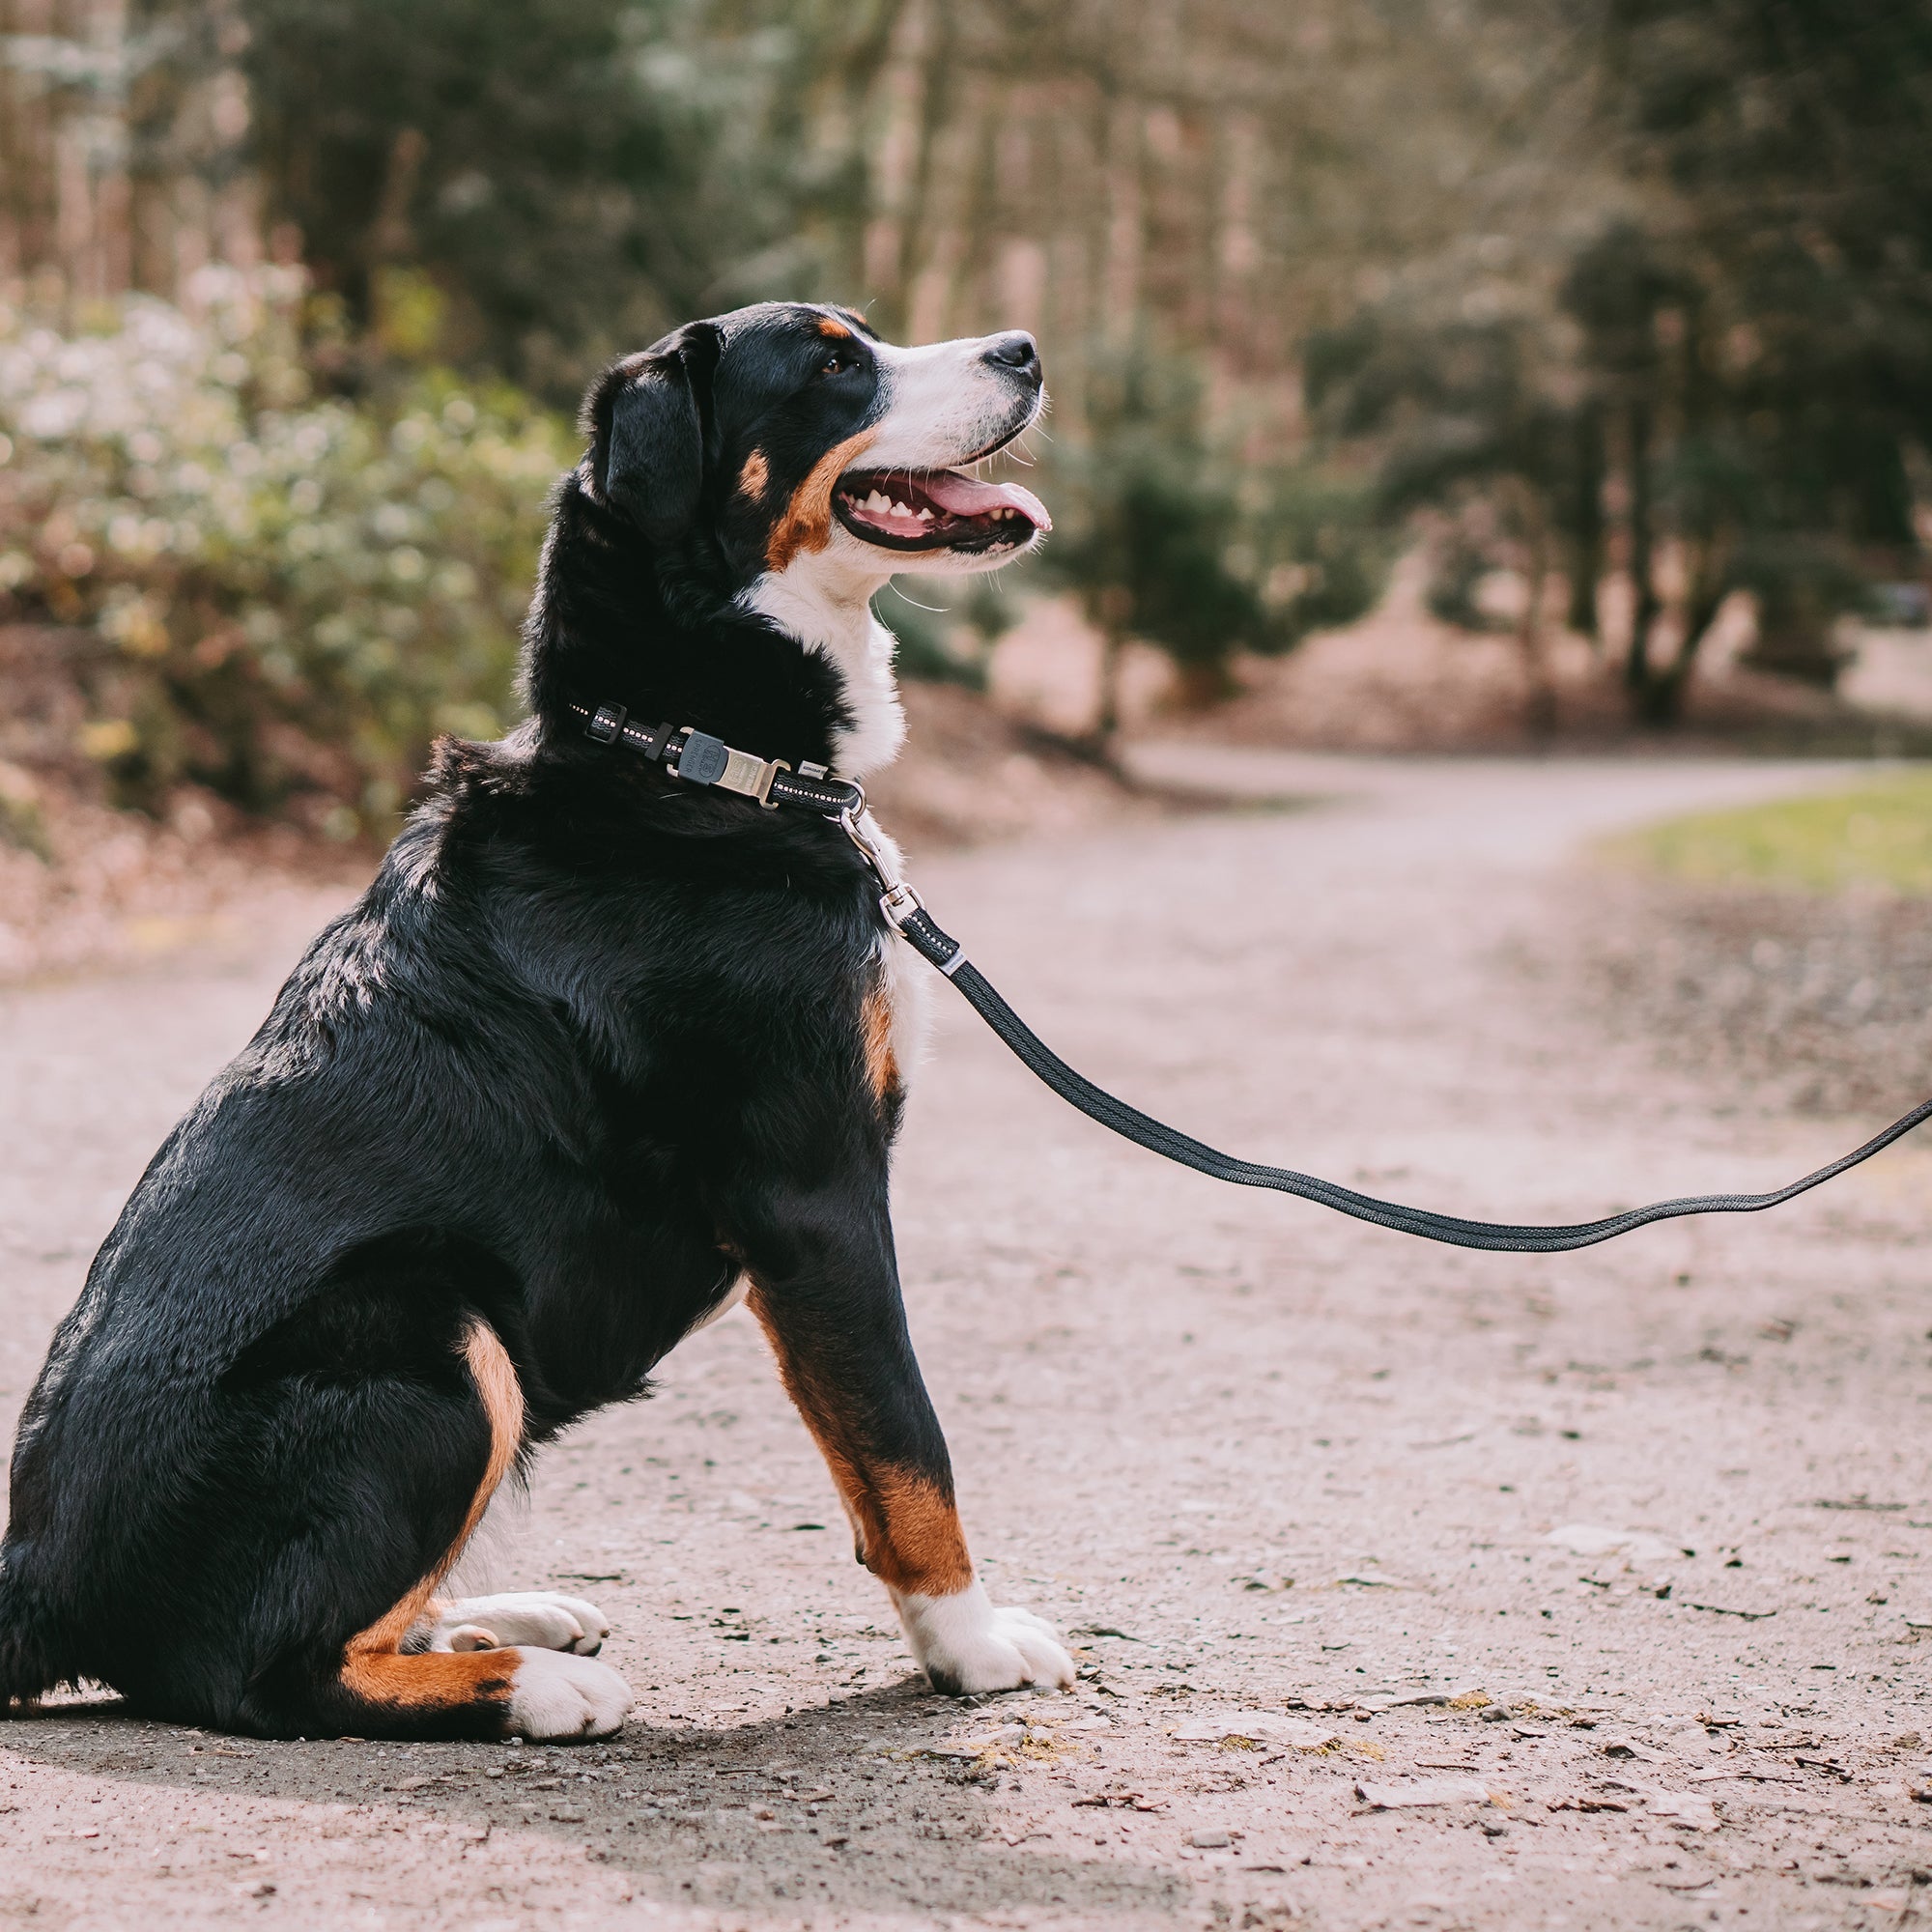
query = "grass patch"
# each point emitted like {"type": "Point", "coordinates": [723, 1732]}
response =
{"type": "Point", "coordinates": [1878, 834]}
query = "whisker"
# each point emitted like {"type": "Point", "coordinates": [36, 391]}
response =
{"type": "Point", "coordinates": [932, 610]}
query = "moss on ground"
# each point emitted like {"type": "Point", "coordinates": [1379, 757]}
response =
{"type": "Point", "coordinates": [1876, 834]}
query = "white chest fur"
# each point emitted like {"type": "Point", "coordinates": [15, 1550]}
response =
{"type": "Point", "coordinates": [829, 609]}
{"type": "Point", "coordinates": [825, 614]}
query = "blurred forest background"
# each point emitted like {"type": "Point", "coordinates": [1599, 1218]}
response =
{"type": "Point", "coordinates": [1603, 328]}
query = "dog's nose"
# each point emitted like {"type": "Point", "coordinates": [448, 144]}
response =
{"type": "Point", "coordinates": [1016, 350]}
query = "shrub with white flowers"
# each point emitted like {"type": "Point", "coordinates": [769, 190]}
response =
{"type": "Point", "coordinates": [279, 597]}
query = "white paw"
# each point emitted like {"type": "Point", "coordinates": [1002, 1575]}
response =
{"type": "Point", "coordinates": [533, 1617]}
{"type": "Point", "coordinates": [966, 1646]}
{"type": "Point", "coordinates": [556, 1695]}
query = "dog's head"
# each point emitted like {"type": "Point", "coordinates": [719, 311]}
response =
{"type": "Point", "coordinates": [787, 435]}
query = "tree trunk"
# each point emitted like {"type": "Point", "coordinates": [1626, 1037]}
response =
{"type": "Point", "coordinates": [1653, 695]}
{"type": "Point", "coordinates": [1710, 577]}
{"type": "Point", "coordinates": [1107, 711]}
{"type": "Point", "coordinates": [1203, 682]}
{"type": "Point", "coordinates": [1539, 710]}
{"type": "Point", "coordinates": [1586, 559]}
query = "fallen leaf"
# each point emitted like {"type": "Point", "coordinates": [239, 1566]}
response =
{"type": "Point", "coordinates": [1256, 1728]}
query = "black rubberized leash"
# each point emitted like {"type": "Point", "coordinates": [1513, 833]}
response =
{"type": "Point", "coordinates": [698, 758]}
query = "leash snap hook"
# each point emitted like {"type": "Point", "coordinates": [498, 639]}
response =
{"type": "Point", "coordinates": [899, 901]}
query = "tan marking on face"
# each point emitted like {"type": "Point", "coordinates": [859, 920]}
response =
{"type": "Point", "coordinates": [806, 522]}
{"type": "Point", "coordinates": [882, 1070]}
{"type": "Point", "coordinates": [834, 331]}
{"type": "Point", "coordinates": [501, 1395]}
{"type": "Point", "coordinates": [905, 1525]}
{"type": "Point", "coordinates": [755, 474]}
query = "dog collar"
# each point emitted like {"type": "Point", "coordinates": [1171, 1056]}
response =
{"type": "Point", "coordinates": [696, 757]}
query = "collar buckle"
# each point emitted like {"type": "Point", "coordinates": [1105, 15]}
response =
{"type": "Point", "coordinates": [703, 759]}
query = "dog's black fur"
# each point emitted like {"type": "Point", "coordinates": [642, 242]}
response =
{"type": "Point", "coordinates": [591, 1044]}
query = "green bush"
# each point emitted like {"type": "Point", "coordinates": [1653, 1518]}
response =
{"type": "Point", "coordinates": [1169, 536]}
{"type": "Point", "coordinates": [281, 598]}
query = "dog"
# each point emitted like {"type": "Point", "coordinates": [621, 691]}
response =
{"type": "Point", "coordinates": [597, 1054]}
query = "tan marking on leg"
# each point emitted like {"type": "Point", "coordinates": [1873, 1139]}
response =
{"type": "Point", "coordinates": [501, 1395]}
{"type": "Point", "coordinates": [440, 1680]}
{"type": "Point", "coordinates": [924, 1548]}
{"type": "Point", "coordinates": [755, 474]}
{"type": "Point", "coordinates": [905, 1526]}
{"type": "Point", "coordinates": [882, 1070]}
{"type": "Point", "coordinates": [806, 522]}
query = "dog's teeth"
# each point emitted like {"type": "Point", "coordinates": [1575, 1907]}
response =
{"type": "Point", "coordinates": [902, 509]}
{"type": "Point", "coordinates": [925, 515]}
{"type": "Point", "coordinates": [879, 502]}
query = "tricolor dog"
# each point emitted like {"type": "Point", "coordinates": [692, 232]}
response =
{"type": "Point", "coordinates": [599, 1051]}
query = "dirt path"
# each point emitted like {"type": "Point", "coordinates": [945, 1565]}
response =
{"type": "Point", "coordinates": [1259, 1458]}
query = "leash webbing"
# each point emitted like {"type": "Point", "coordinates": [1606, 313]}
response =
{"type": "Point", "coordinates": [1497, 1237]}
{"type": "Point", "coordinates": [843, 800]}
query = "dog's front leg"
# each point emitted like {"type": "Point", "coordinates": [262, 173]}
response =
{"type": "Point", "coordinates": [826, 1289]}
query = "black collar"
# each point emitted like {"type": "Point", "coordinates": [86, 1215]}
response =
{"type": "Point", "coordinates": [696, 757]}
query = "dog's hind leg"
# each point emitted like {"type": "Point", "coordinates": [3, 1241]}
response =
{"type": "Point", "coordinates": [391, 1679]}
{"type": "Point", "coordinates": [541, 1617]}
{"type": "Point", "coordinates": [396, 1678]}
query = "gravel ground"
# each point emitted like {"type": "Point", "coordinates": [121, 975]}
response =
{"type": "Point", "coordinates": [1818, 1000]}
{"type": "Point", "coordinates": [1288, 1480]}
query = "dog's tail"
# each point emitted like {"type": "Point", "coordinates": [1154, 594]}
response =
{"type": "Point", "coordinates": [28, 1666]}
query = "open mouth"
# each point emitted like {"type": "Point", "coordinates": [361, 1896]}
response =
{"type": "Point", "coordinates": [937, 509]}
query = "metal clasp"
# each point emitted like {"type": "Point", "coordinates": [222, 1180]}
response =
{"type": "Point", "coordinates": [703, 759]}
{"type": "Point", "coordinates": [899, 902]}
{"type": "Point", "coordinates": [751, 777]}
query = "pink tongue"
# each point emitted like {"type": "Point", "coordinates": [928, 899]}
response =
{"type": "Point", "coordinates": [967, 496]}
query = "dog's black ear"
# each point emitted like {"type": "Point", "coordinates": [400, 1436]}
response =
{"type": "Point", "coordinates": [645, 417]}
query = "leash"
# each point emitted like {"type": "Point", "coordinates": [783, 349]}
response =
{"type": "Point", "coordinates": [698, 758]}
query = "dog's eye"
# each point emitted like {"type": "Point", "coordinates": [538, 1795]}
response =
{"type": "Point", "coordinates": [838, 362]}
